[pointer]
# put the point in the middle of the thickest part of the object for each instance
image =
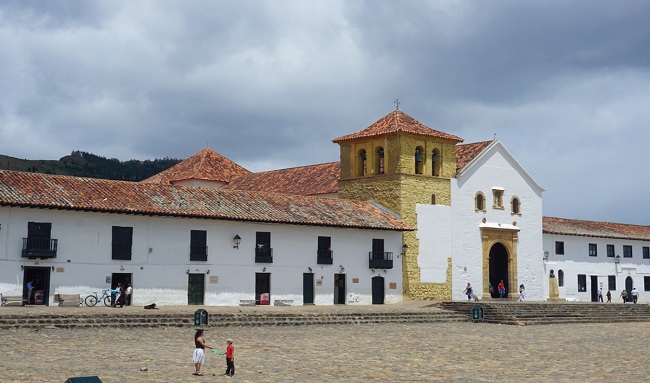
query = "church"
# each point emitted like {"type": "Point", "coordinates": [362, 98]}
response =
{"type": "Point", "coordinates": [407, 212]}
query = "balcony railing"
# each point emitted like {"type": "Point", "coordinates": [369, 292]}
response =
{"type": "Point", "coordinates": [39, 247]}
{"type": "Point", "coordinates": [324, 257]}
{"type": "Point", "coordinates": [263, 255]}
{"type": "Point", "coordinates": [380, 260]}
{"type": "Point", "coordinates": [198, 253]}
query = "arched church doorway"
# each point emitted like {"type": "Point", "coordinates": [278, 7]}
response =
{"type": "Point", "coordinates": [498, 268]}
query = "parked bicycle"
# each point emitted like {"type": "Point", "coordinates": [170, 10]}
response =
{"type": "Point", "coordinates": [92, 299]}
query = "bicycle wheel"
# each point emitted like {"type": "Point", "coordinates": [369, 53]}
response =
{"type": "Point", "coordinates": [91, 300]}
{"type": "Point", "coordinates": [107, 300]}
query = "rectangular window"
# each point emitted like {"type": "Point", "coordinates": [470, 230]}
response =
{"type": "Point", "coordinates": [198, 245]}
{"type": "Point", "coordinates": [646, 283]}
{"type": "Point", "coordinates": [627, 251]}
{"type": "Point", "coordinates": [610, 251]}
{"type": "Point", "coordinates": [582, 282]}
{"type": "Point", "coordinates": [611, 282]}
{"type": "Point", "coordinates": [559, 247]}
{"type": "Point", "coordinates": [646, 252]}
{"type": "Point", "coordinates": [593, 250]}
{"type": "Point", "coordinates": [122, 242]}
{"type": "Point", "coordinates": [324, 251]}
{"type": "Point", "coordinates": [263, 250]}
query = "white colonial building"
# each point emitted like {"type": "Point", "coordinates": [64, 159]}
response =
{"type": "Point", "coordinates": [407, 211]}
{"type": "Point", "coordinates": [586, 256]}
{"type": "Point", "coordinates": [182, 245]}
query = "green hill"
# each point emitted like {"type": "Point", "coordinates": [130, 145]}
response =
{"type": "Point", "coordinates": [82, 164]}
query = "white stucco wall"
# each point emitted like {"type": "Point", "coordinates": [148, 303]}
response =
{"type": "Point", "coordinates": [496, 168]}
{"type": "Point", "coordinates": [435, 235]}
{"type": "Point", "coordinates": [160, 257]}
{"type": "Point", "coordinates": [576, 260]}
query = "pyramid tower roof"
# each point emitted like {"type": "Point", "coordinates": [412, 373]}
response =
{"type": "Point", "coordinates": [206, 165]}
{"type": "Point", "coordinates": [397, 122]}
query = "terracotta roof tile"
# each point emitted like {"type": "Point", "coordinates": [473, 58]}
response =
{"type": "Point", "coordinates": [467, 152]}
{"type": "Point", "coordinates": [89, 194]}
{"type": "Point", "coordinates": [563, 226]}
{"type": "Point", "coordinates": [303, 180]}
{"type": "Point", "coordinates": [206, 165]}
{"type": "Point", "coordinates": [395, 122]}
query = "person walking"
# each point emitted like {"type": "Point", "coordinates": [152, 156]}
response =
{"type": "Point", "coordinates": [635, 294]}
{"type": "Point", "coordinates": [128, 292]}
{"type": "Point", "coordinates": [198, 357]}
{"type": "Point", "coordinates": [502, 289]}
{"type": "Point", "coordinates": [600, 294]}
{"type": "Point", "coordinates": [120, 296]}
{"type": "Point", "coordinates": [522, 293]}
{"type": "Point", "coordinates": [230, 358]}
{"type": "Point", "coordinates": [609, 296]}
{"type": "Point", "coordinates": [30, 290]}
{"type": "Point", "coordinates": [468, 292]}
{"type": "Point", "coordinates": [624, 295]}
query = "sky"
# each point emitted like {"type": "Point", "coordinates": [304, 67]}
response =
{"type": "Point", "coordinates": [564, 85]}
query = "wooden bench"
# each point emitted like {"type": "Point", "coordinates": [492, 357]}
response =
{"type": "Point", "coordinates": [283, 302]}
{"type": "Point", "coordinates": [7, 299]}
{"type": "Point", "coordinates": [68, 299]}
{"type": "Point", "coordinates": [247, 302]}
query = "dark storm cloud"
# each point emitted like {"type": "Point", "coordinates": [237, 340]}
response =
{"type": "Point", "coordinates": [563, 84]}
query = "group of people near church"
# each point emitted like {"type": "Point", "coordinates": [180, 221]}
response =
{"type": "Point", "coordinates": [121, 295]}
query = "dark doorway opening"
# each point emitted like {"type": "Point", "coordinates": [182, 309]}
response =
{"type": "Point", "coordinates": [40, 278]}
{"type": "Point", "coordinates": [498, 269]}
{"type": "Point", "coordinates": [308, 289]}
{"type": "Point", "coordinates": [378, 291]}
{"type": "Point", "coordinates": [339, 289]}
{"type": "Point", "coordinates": [262, 288]}
{"type": "Point", "coordinates": [195, 289]}
{"type": "Point", "coordinates": [594, 288]}
{"type": "Point", "coordinates": [629, 284]}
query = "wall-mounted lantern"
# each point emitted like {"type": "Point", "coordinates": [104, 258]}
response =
{"type": "Point", "coordinates": [617, 259]}
{"type": "Point", "coordinates": [405, 248]}
{"type": "Point", "coordinates": [545, 256]}
{"type": "Point", "coordinates": [237, 241]}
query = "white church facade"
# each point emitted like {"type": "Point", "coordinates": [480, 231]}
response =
{"type": "Point", "coordinates": [407, 212]}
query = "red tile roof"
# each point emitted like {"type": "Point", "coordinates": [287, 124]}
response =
{"type": "Point", "coordinates": [89, 194]}
{"type": "Point", "coordinates": [395, 122]}
{"type": "Point", "coordinates": [206, 165]}
{"type": "Point", "coordinates": [304, 180]}
{"type": "Point", "coordinates": [467, 152]}
{"type": "Point", "coordinates": [563, 226]}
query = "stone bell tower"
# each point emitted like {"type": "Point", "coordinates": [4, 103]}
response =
{"type": "Point", "coordinates": [399, 162]}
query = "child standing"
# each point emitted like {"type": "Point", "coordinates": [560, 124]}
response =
{"type": "Point", "coordinates": [198, 357]}
{"type": "Point", "coordinates": [230, 358]}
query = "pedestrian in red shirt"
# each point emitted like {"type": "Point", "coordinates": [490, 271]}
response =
{"type": "Point", "coordinates": [502, 289]}
{"type": "Point", "coordinates": [230, 358]}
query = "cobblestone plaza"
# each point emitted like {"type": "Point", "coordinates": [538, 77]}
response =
{"type": "Point", "coordinates": [403, 352]}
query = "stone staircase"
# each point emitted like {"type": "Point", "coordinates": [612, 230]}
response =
{"type": "Point", "coordinates": [539, 313]}
{"type": "Point", "coordinates": [155, 319]}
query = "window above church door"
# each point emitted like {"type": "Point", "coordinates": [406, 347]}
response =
{"type": "Point", "coordinates": [479, 201]}
{"type": "Point", "coordinates": [515, 206]}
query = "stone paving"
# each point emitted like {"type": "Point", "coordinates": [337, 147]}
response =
{"type": "Point", "coordinates": [438, 352]}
